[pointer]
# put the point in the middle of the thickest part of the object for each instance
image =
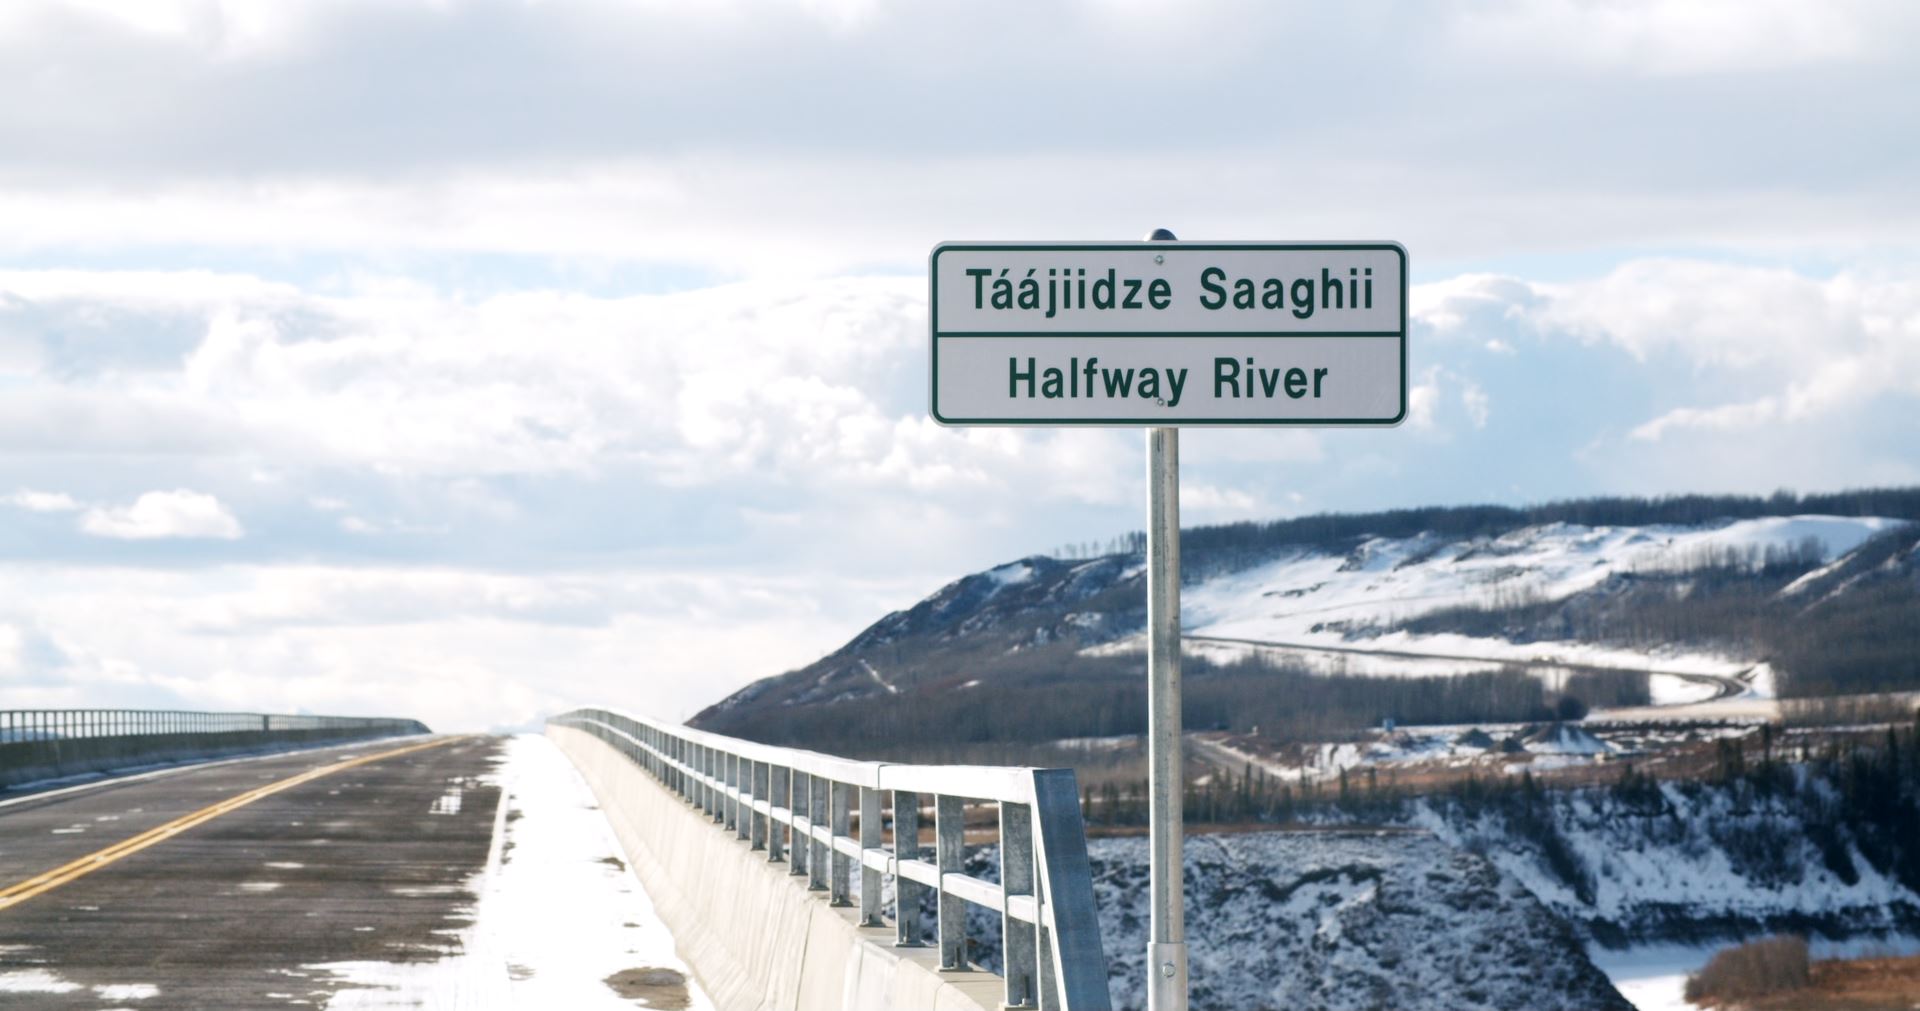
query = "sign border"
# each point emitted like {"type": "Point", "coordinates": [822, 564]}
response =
{"type": "Point", "coordinates": [934, 334]}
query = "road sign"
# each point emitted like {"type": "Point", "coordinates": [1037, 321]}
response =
{"type": "Point", "coordinates": [1169, 334]}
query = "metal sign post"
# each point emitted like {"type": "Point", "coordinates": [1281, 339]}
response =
{"type": "Point", "coordinates": [1166, 779]}
{"type": "Point", "coordinates": [1160, 336]}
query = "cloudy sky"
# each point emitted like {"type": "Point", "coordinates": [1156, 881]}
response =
{"type": "Point", "coordinates": [471, 360]}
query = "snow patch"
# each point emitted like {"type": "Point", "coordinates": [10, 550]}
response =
{"type": "Point", "coordinates": [877, 679]}
{"type": "Point", "coordinates": [35, 981]}
{"type": "Point", "coordinates": [127, 991]}
{"type": "Point", "coordinates": [1653, 977]}
{"type": "Point", "coordinates": [1668, 690]}
{"type": "Point", "coordinates": [1308, 598]}
{"type": "Point", "coordinates": [1010, 574]}
{"type": "Point", "coordinates": [553, 920]}
{"type": "Point", "coordinates": [447, 803]}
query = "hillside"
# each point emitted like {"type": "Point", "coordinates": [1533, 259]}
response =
{"type": "Point", "coordinates": [1350, 921]}
{"type": "Point", "coordinates": [1424, 616]}
{"type": "Point", "coordinates": [1341, 920]}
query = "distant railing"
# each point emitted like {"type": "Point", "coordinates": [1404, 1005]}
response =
{"type": "Point", "coordinates": [37, 745]}
{"type": "Point", "coordinates": [800, 807]}
{"type": "Point", "coordinates": [70, 724]}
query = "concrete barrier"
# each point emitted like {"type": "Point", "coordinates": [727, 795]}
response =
{"type": "Point", "coordinates": [754, 935]}
{"type": "Point", "coordinates": [51, 758]}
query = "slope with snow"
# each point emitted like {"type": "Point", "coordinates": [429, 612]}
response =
{"type": "Point", "coordinates": [1316, 599]}
{"type": "Point", "coordinates": [1423, 604]}
{"type": "Point", "coordinates": [1347, 920]}
{"type": "Point", "coordinates": [1685, 863]}
{"type": "Point", "coordinates": [1337, 920]}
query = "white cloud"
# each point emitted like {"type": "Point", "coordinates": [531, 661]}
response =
{"type": "Point", "coordinates": [460, 649]}
{"type": "Point", "coordinates": [729, 213]}
{"type": "Point", "coordinates": [1726, 418]}
{"type": "Point", "coordinates": [1780, 346]}
{"type": "Point", "coordinates": [1468, 304]}
{"type": "Point", "coordinates": [777, 427]}
{"type": "Point", "coordinates": [1660, 37]}
{"type": "Point", "coordinates": [42, 501]}
{"type": "Point", "coordinates": [164, 514]}
{"type": "Point", "coordinates": [817, 383]}
{"type": "Point", "coordinates": [1476, 403]}
{"type": "Point", "coordinates": [421, 378]}
{"type": "Point", "coordinates": [1798, 346]}
{"type": "Point", "coordinates": [266, 128]}
{"type": "Point", "coordinates": [1422, 398]}
{"type": "Point", "coordinates": [1211, 503]}
{"type": "Point", "coordinates": [220, 28]}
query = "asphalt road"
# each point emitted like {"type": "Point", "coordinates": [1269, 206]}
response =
{"type": "Point", "coordinates": [372, 862]}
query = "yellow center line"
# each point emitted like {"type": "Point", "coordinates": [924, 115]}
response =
{"type": "Point", "coordinates": [24, 890]}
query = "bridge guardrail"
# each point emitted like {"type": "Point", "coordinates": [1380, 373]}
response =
{"type": "Point", "coordinates": [799, 807]}
{"type": "Point", "coordinates": [38, 744]}
{"type": "Point", "coordinates": [67, 724]}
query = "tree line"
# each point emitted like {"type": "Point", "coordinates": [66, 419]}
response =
{"type": "Point", "coordinates": [1053, 693]}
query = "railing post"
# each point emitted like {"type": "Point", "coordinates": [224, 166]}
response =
{"type": "Point", "coordinates": [949, 839]}
{"type": "Point", "coordinates": [736, 817]}
{"type": "Point", "coordinates": [870, 839]}
{"type": "Point", "coordinates": [802, 849]}
{"type": "Point", "coordinates": [698, 761]}
{"type": "Point", "coordinates": [780, 780]}
{"type": "Point", "coordinates": [840, 808]}
{"type": "Point", "coordinates": [906, 846]}
{"type": "Point", "coordinates": [819, 866]}
{"type": "Point", "coordinates": [1019, 939]}
{"type": "Point", "coordinates": [1075, 972]}
{"type": "Point", "coordinates": [709, 800]}
{"type": "Point", "coordinates": [759, 780]}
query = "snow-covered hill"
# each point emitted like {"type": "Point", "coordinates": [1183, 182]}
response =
{"type": "Point", "coordinates": [1686, 863]}
{"type": "Point", "coordinates": [1336, 920]}
{"type": "Point", "coordinates": [1344, 922]}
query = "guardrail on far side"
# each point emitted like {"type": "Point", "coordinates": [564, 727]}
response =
{"type": "Point", "coordinates": [37, 744]}
{"type": "Point", "coordinates": [827, 816]}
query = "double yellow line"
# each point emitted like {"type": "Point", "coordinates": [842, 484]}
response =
{"type": "Point", "coordinates": [17, 893]}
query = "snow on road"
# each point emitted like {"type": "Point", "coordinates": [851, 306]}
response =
{"type": "Point", "coordinates": [560, 920]}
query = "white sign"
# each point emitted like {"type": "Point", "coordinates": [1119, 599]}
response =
{"type": "Point", "coordinates": [1169, 333]}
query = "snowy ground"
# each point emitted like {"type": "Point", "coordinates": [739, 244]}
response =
{"type": "Point", "coordinates": [560, 922]}
{"type": "Point", "coordinates": [1296, 599]}
{"type": "Point", "coordinates": [1318, 601]}
{"type": "Point", "coordinates": [1431, 748]}
{"type": "Point", "coordinates": [1653, 977]}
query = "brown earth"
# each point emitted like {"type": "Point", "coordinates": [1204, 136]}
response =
{"type": "Point", "coordinates": [1864, 984]}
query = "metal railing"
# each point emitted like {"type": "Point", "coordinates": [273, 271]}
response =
{"type": "Point", "coordinates": [824, 816]}
{"type": "Point", "coordinates": [71, 724]}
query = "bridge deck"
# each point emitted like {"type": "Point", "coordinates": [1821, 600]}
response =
{"type": "Point", "coordinates": [367, 886]}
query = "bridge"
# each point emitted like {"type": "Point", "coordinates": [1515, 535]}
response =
{"type": "Point", "coordinates": [206, 860]}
